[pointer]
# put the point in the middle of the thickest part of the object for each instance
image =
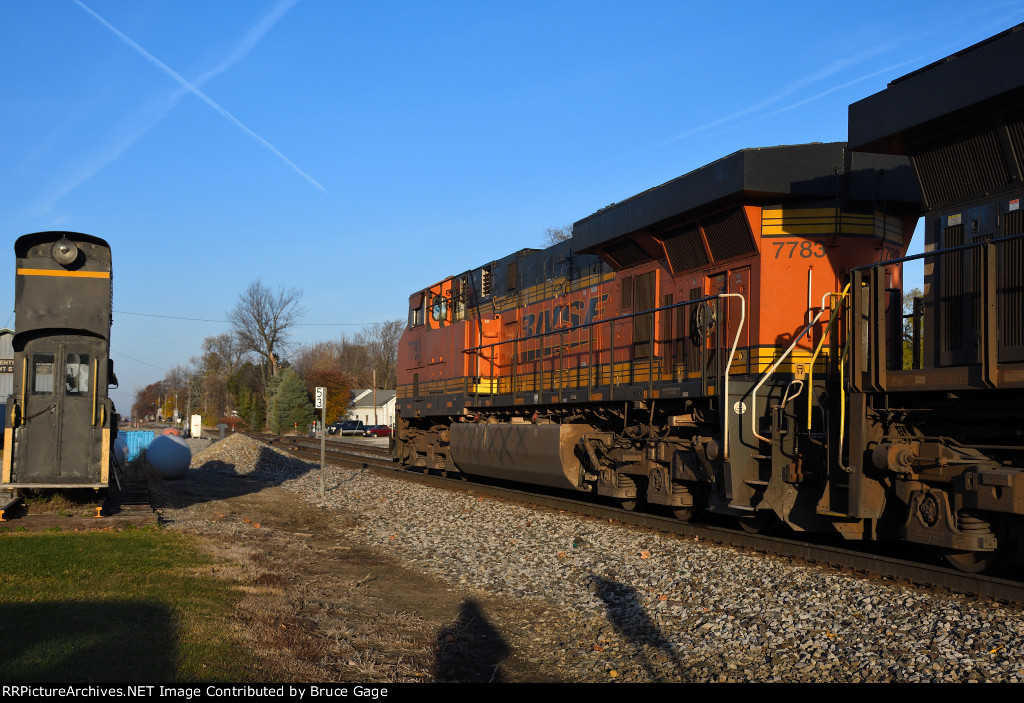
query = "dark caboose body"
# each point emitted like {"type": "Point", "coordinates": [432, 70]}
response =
{"type": "Point", "coordinates": [60, 422]}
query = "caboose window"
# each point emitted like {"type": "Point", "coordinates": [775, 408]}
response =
{"type": "Point", "coordinates": [76, 374]}
{"type": "Point", "coordinates": [42, 373]}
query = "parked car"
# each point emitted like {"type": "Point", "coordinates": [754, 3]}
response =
{"type": "Point", "coordinates": [377, 431]}
{"type": "Point", "coordinates": [352, 428]}
{"type": "Point", "coordinates": [347, 427]}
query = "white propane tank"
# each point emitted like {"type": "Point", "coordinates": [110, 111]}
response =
{"type": "Point", "coordinates": [120, 454]}
{"type": "Point", "coordinates": [169, 455]}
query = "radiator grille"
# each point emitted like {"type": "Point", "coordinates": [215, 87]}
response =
{"type": "Point", "coordinates": [1013, 223]}
{"type": "Point", "coordinates": [728, 235]}
{"type": "Point", "coordinates": [960, 165]}
{"type": "Point", "coordinates": [1010, 293]}
{"type": "Point", "coordinates": [1015, 129]}
{"type": "Point", "coordinates": [626, 253]}
{"type": "Point", "coordinates": [685, 249]}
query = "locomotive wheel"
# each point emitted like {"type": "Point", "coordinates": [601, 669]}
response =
{"type": "Point", "coordinates": [637, 502]}
{"type": "Point", "coordinates": [684, 514]}
{"type": "Point", "coordinates": [760, 523]}
{"type": "Point", "coordinates": [630, 504]}
{"type": "Point", "coordinates": [988, 562]}
{"type": "Point", "coordinates": [972, 562]}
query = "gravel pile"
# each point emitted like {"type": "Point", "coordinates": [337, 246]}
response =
{"type": "Point", "coordinates": [615, 604]}
{"type": "Point", "coordinates": [238, 454]}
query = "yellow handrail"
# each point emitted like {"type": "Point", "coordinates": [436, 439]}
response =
{"type": "Point", "coordinates": [24, 381]}
{"type": "Point", "coordinates": [810, 370]}
{"type": "Point", "coordinates": [94, 392]}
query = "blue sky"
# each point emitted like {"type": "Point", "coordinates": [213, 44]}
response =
{"type": "Point", "coordinates": [360, 150]}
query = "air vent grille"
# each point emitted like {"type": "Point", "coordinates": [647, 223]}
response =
{"type": "Point", "coordinates": [685, 249]}
{"type": "Point", "coordinates": [960, 166]}
{"type": "Point", "coordinates": [728, 235]}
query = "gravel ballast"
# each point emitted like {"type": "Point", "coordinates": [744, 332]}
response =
{"type": "Point", "coordinates": [610, 603]}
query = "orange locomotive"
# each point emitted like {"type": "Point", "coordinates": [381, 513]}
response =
{"type": "Point", "coordinates": [667, 351]}
{"type": "Point", "coordinates": [733, 340]}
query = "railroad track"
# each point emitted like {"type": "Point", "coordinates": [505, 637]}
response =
{"type": "Point", "coordinates": [356, 455]}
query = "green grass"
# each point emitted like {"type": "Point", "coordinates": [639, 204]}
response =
{"type": "Point", "coordinates": [133, 606]}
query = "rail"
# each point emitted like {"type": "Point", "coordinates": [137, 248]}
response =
{"type": "Point", "coordinates": [975, 300]}
{"type": "Point", "coordinates": [834, 308]}
{"type": "Point", "coordinates": [767, 374]}
{"type": "Point", "coordinates": [685, 348]}
{"type": "Point", "coordinates": [728, 370]}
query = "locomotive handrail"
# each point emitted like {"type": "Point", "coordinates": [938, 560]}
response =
{"type": "Point", "coordinates": [986, 349]}
{"type": "Point", "coordinates": [479, 350]}
{"type": "Point", "coordinates": [810, 366]}
{"type": "Point", "coordinates": [937, 252]}
{"type": "Point", "coordinates": [728, 367]}
{"type": "Point", "coordinates": [540, 335]}
{"type": "Point", "coordinates": [93, 421]}
{"type": "Point", "coordinates": [24, 384]}
{"type": "Point", "coordinates": [770, 371]}
{"type": "Point", "coordinates": [588, 325]}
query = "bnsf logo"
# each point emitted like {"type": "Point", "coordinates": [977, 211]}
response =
{"type": "Point", "coordinates": [562, 316]}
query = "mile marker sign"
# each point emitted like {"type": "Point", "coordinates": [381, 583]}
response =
{"type": "Point", "coordinates": [321, 396]}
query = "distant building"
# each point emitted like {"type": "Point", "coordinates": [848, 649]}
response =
{"type": "Point", "coordinates": [362, 407]}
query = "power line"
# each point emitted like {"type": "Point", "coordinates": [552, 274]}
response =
{"type": "Point", "coordinates": [144, 363]}
{"type": "Point", "coordinates": [227, 322]}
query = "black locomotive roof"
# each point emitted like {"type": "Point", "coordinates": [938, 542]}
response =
{"type": "Point", "coordinates": [975, 80]}
{"type": "Point", "coordinates": [765, 175]}
{"type": "Point", "coordinates": [25, 242]}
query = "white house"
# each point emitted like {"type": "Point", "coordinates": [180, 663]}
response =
{"type": "Point", "coordinates": [363, 408]}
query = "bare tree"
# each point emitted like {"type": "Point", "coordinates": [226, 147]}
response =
{"type": "Point", "coordinates": [262, 320]}
{"type": "Point", "coordinates": [554, 235]}
{"type": "Point", "coordinates": [355, 358]}
{"type": "Point", "coordinates": [222, 354]}
{"type": "Point", "coordinates": [381, 341]}
{"type": "Point", "coordinates": [321, 355]}
{"type": "Point", "coordinates": [374, 349]}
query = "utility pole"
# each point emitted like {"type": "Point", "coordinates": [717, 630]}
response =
{"type": "Point", "coordinates": [375, 396]}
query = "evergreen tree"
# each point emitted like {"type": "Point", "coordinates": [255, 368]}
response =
{"type": "Point", "coordinates": [289, 404]}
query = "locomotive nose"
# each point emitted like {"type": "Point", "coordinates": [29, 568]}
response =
{"type": "Point", "coordinates": [64, 252]}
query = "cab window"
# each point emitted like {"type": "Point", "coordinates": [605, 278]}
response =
{"type": "Point", "coordinates": [416, 311]}
{"type": "Point", "coordinates": [42, 373]}
{"type": "Point", "coordinates": [76, 374]}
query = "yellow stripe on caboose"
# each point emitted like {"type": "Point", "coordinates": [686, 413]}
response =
{"type": "Point", "coordinates": [59, 272]}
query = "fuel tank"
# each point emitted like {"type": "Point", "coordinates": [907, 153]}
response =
{"type": "Point", "coordinates": [541, 454]}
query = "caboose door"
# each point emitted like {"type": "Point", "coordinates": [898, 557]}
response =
{"type": "Point", "coordinates": [62, 414]}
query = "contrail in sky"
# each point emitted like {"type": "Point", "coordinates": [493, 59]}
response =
{"type": "Point", "coordinates": [787, 90]}
{"type": "Point", "coordinates": [244, 48]}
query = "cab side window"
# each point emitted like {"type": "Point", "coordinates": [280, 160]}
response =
{"type": "Point", "coordinates": [416, 311]}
